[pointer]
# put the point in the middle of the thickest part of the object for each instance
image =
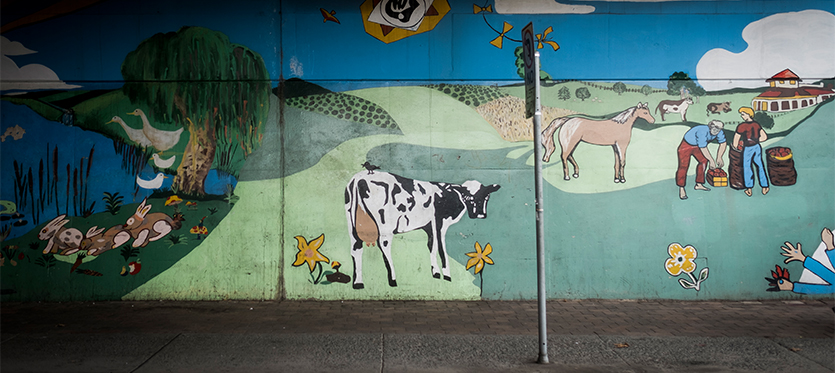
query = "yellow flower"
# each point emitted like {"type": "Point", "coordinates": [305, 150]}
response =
{"type": "Point", "coordinates": [478, 258]}
{"type": "Point", "coordinates": [309, 252]}
{"type": "Point", "coordinates": [681, 259]}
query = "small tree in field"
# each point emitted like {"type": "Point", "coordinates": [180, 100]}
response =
{"type": "Point", "coordinates": [520, 66]}
{"type": "Point", "coordinates": [619, 88]}
{"type": "Point", "coordinates": [564, 93]}
{"type": "Point", "coordinates": [764, 119]}
{"type": "Point", "coordinates": [646, 90]}
{"type": "Point", "coordinates": [681, 80]}
{"type": "Point", "coordinates": [582, 93]}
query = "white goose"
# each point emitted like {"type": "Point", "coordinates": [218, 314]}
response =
{"type": "Point", "coordinates": [154, 183]}
{"type": "Point", "coordinates": [160, 139]}
{"type": "Point", "coordinates": [136, 135]}
{"type": "Point", "coordinates": [163, 163]}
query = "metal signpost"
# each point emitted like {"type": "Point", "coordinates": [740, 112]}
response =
{"type": "Point", "coordinates": [533, 109]}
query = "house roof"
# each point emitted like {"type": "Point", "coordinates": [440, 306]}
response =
{"type": "Point", "coordinates": [818, 91]}
{"type": "Point", "coordinates": [784, 75]}
{"type": "Point", "coordinates": [794, 92]}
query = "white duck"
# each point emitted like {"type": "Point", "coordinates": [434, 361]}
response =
{"type": "Point", "coordinates": [160, 139]}
{"type": "Point", "coordinates": [136, 135]}
{"type": "Point", "coordinates": [163, 163]}
{"type": "Point", "coordinates": [154, 183]}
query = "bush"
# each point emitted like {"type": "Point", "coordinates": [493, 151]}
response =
{"type": "Point", "coordinates": [765, 120]}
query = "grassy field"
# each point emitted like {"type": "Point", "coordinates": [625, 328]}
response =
{"type": "Point", "coordinates": [604, 239]}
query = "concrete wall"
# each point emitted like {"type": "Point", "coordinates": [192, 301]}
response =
{"type": "Point", "coordinates": [224, 150]}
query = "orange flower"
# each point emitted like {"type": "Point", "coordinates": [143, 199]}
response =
{"type": "Point", "coordinates": [478, 258]}
{"type": "Point", "coordinates": [309, 252]}
{"type": "Point", "coordinates": [681, 259]}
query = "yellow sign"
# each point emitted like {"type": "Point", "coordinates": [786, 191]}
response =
{"type": "Point", "coordinates": [386, 29]}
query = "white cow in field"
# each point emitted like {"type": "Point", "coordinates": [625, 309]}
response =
{"type": "Point", "coordinates": [674, 106]}
{"type": "Point", "coordinates": [381, 204]}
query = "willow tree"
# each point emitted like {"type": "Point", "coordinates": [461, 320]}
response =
{"type": "Point", "coordinates": [196, 79]}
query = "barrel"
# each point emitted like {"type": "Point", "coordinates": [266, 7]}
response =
{"type": "Point", "coordinates": [780, 163]}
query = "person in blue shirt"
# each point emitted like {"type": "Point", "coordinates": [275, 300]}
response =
{"type": "Point", "coordinates": [694, 144]}
{"type": "Point", "coordinates": [814, 266]}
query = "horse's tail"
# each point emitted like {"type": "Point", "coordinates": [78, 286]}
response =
{"type": "Point", "coordinates": [548, 137]}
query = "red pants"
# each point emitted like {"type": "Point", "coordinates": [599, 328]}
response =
{"type": "Point", "coordinates": [685, 151]}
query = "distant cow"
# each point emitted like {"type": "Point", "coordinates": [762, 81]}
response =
{"type": "Point", "coordinates": [381, 204]}
{"type": "Point", "coordinates": [716, 108]}
{"type": "Point", "coordinates": [670, 106]}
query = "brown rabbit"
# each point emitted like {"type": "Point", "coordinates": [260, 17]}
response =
{"type": "Point", "coordinates": [144, 227]}
{"type": "Point", "coordinates": [96, 242]}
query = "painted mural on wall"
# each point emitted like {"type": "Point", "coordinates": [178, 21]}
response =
{"type": "Point", "coordinates": [196, 120]}
{"type": "Point", "coordinates": [147, 153]}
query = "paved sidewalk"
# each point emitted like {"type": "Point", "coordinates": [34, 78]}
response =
{"type": "Point", "coordinates": [419, 336]}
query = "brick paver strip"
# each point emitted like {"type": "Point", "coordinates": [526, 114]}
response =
{"type": "Point", "coordinates": [771, 319]}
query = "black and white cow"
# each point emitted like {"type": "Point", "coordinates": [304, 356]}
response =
{"type": "Point", "coordinates": [381, 204]}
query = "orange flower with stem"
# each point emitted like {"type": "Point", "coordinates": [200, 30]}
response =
{"type": "Point", "coordinates": [682, 259]}
{"type": "Point", "coordinates": [309, 253]}
{"type": "Point", "coordinates": [478, 258]}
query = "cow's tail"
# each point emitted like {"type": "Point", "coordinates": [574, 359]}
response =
{"type": "Point", "coordinates": [548, 137]}
{"type": "Point", "coordinates": [351, 205]}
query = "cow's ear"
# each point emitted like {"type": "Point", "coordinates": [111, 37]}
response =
{"type": "Point", "coordinates": [492, 188]}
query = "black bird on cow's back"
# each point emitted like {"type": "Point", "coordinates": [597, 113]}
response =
{"type": "Point", "coordinates": [370, 167]}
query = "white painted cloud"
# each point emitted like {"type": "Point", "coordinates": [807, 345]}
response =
{"type": "Point", "coordinates": [25, 78]}
{"type": "Point", "coordinates": [799, 41]}
{"type": "Point", "coordinates": [553, 7]}
{"type": "Point", "coordinates": [539, 7]}
{"type": "Point", "coordinates": [13, 48]}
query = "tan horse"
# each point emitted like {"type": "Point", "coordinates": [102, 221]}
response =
{"type": "Point", "coordinates": [615, 132]}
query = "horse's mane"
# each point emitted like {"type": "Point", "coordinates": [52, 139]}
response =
{"type": "Point", "coordinates": [624, 115]}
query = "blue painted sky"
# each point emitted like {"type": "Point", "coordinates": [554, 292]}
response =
{"type": "Point", "coordinates": [619, 41]}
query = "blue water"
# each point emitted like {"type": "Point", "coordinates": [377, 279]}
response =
{"type": "Point", "coordinates": [74, 144]}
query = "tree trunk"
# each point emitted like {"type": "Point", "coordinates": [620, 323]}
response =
{"type": "Point", "coordinates": [197, 159]}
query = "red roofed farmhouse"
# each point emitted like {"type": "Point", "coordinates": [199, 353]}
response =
{"type": "Point", "coordinates": [787, 94]}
